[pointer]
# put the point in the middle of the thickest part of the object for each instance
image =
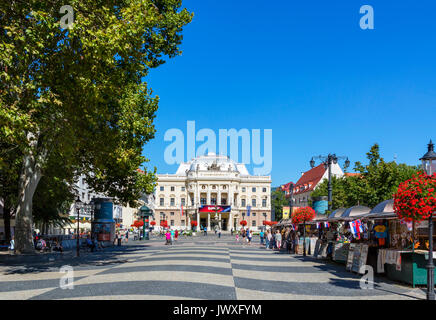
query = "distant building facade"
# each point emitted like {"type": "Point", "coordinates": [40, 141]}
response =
{"type": "Point", "coordinates": [216, 192]}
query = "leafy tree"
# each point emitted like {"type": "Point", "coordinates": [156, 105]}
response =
{"type": "Point", "coordinates": [77, 97]}
{"type": "Point", "coordinates": [377, 181]}
{"type": "Point", "coordinates": [278, 201]}
{"type": "Point", "coordinates": [340, 189]}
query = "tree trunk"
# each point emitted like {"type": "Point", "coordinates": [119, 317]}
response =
{"type": "Point", "coordinates": [7, 221]}
{"type": "Point", "coordinates": [29, 179]}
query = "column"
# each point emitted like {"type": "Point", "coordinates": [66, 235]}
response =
{"type": "Point", "coordinates": [198, 220]}
{"type": "Point", "coordinates": [220, 223]}
{"type": "Point", "coordinates": [230, 221]}
{"type": "Point", "coordinates": [189, 221]}
{"type": "Point", "coordinates": [218, 196]}
{"type": "Point", "coordinates": [208, 195]}
{"type": "Point", "coordinates": [208, 221]}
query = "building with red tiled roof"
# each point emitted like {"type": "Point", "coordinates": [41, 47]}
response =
{"type": "Point", "coordinates": [309, 180]}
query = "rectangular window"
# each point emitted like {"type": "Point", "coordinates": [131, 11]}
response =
{"type": "Point", "coordinates": [242, 202]}
{"type": "Point", "coordinates": [223, 201]}
{"type": "Point", "coordinates": [253, 189]}
{"type": "Point", "coordinates": [254, 214]}
{"type": "Point", "coordinates": [183, 188]}
{"type": "Point", "coordinates": [182, 201]}
{"type": "Point", "coordinates": [173, 188]}
{"type": "Point", "coordinates": [162, 188]}
{"type": "Point", "coordinates": [253, 202]}
{"type": "Point", "coordinates": [253, 223]}
{"type": "Point", "coordinates": [182, 222]}
{"type": "Point", "coordinates": [263, 189]}
{"type": "Point", "coordinates": [172, 202]}
{"type": "Point", "coordinates": [203, 201]}
{"type": "Point", "coordinates": [171, 213]}
{"type": "Point", "coordinates": [263, 202]}
{"type": "Point", "coordinates": [192, 201]}
{"type": "Point", "coordinates": [243, 189]}
{"type": "Point", "coordinates": [162, 202]}
{"type": "Point", "coordinates": [172, 223]}
{"type": "Point", "coordinates": [213, 201]}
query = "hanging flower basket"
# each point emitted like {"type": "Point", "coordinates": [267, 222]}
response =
{"type": "Point", "coordinates": [415, 198]}
{"type": "Point", "coordinates": [153, 223]}
{"type": "Point", "coordinates": [194, 223]}
{"type": "Point", "coordinates": [138, 223]}
{"type": "Point", "coordinates": [303, 214]}
{"type": "Point", "coordinates": [164, 223]}
{"type": "Point", "coordinates": [243, 223]}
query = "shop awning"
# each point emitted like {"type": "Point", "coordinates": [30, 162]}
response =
{"type": "Point", "coordinates": [336, 215]}
{"type": "Point", "coordinates": [356, 212]}
{"type": "Point", "coordinates": [384, 210]}
{"type": "Point", "coordinates": [318, 218]}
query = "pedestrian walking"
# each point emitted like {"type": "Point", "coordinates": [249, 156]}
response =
{"type": "Point", "coordinates": [167, 238]}
{"type": "Point", "coordinates": [127, 236]}
{"type": "Point", "coordinates": [219, 233]}
{"type": "Point", "coordinates": [176, 234]}
{"type": "Point", "coordinates": [172, 236]}
{"type": "Point", "coordinates": [249, 235]}
{"type": "Point", "coordinates": [278, 240]}
{"type": "Point", "coordinates": [237, 236]}
{"type": "Point", "coordinates": [296, 239]}
{"type": "Point", "coordinates": [267, 239]}
{"type": "Point", "coordinates": [261, 234]}
{"type": "Point", "coordinates": [12, 245]}
{"type": "Point", "coordinates": [243, 233]}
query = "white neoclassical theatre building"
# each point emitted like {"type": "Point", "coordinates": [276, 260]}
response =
{"type": "Point", "coordinates": [216, 192]}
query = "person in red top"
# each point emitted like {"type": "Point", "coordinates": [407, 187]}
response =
{"type": "Point", "coordinates": [176, 234]}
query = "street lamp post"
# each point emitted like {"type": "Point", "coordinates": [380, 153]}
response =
{"type": "Point", "coordinates": [428, 165]}
{"type": "Point", "coordinates": [78, 205]}
{"type": "Point", "coordinates": [328, 161]}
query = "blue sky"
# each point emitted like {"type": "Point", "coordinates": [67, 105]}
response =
{"type": "Point", "coordinates": [307, 71]}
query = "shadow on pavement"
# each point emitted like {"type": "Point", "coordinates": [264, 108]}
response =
{"type": "Point", "coordinates": [41, 262]}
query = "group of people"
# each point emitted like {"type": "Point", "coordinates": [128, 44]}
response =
{"type": "Point", "coordinates": [246, 235]}
{"type": "Point", "coordinates": [52, 244]}
{"type": "Point", "coordinates": [286, 239]}
{"type": "Point", "coordinates": [171, 236]}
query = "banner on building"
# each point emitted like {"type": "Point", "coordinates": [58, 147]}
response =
{"type": "Point", "coordinates": [286, 211]}
{"type": "Point", "coordinates": [214, 209]}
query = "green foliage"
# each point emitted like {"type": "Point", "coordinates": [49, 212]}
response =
{"type": "Point", "coordinates": [278, 201]}
{"type": "Point", "coordinates": [378, 181]}
{"type": "Point", "coordinates": [76, 98]}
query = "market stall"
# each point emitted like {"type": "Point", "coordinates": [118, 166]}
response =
{"type": "Point", "coordinates": [348, 245]}
{"type": "Point", "coordinates": [400, 247]}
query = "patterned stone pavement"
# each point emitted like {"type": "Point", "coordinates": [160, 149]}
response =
{"type": "Point", "coordinates": [193, 268]}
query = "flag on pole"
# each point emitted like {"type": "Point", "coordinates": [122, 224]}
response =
{"type": "Point", "coordinates": [317, 225]}
{"type": "Point", "coordinates": [326, 224]}
{"type": "Point", "coordinates": [181, 210]}
{"type": "Point", "coordinates": [248, 211]}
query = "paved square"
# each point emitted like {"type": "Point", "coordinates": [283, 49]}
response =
{"type": "Point", "coordinates": [193, 268]}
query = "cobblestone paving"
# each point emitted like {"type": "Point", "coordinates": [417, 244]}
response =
{"type": "Point", "coordinates": [193, 268]}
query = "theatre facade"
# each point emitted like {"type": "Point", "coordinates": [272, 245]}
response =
{"type": "Point", "coordinates": [216, 192]}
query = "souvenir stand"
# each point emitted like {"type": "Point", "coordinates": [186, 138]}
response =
{"type": "Point", "coordinates": [354, 238]}
{"type": "Point", "coordinates": [314, 229]}
{"type": "Point", "coordinates": [327, 230]}
{"type": "Point", "coordinates": [401, 248]}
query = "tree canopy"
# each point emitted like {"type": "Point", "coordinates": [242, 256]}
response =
{"type": "Point", "coordinates": [76, 97]}
{"type": "Point", "coordinates": [377, 181]}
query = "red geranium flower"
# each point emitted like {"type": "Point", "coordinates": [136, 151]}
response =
{"type": "Point", "coordinates": [415, 198]}
{"type": "Point", "coordinates": [302, 215]}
